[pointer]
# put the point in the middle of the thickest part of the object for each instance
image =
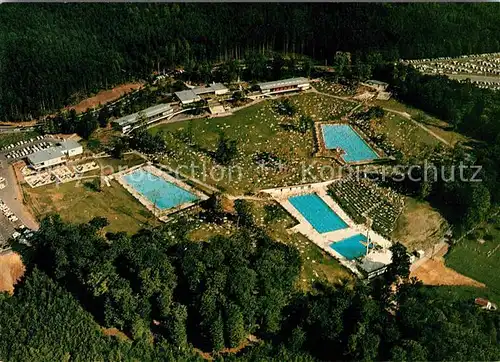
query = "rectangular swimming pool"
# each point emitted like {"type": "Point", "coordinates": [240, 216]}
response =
{"type": "Point", "coordinates": [161, 193]}
{"type": "Point", "coordinates": [351, 247]}
{"type": "Point", "coordinates": [345, 137]}
{"type": "Point", "coordinates": [317, 213]}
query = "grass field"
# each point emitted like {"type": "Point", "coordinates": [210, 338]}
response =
{"type": "Point", "coordinates": [419, 226]}
{"type": "Point", "coordinates": [478, 260]}
{"type": "Point", "coordinates": [77, 203]}
{"type": "Point", "coordinates": [8, 138]}
{"type": "Point", "coordinates": [406, 136]}
{"type": "Point", "coordinates": [256, 129]}
{"type": "Point", "coordinates": [432, 123]}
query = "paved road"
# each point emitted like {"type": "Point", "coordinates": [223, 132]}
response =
{"type": "Point", "coordinates": [12, 196]}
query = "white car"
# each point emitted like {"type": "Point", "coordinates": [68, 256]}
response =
{"type": "Point", "coordinates": [15, 235]}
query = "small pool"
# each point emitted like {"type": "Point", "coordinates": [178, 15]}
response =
{"type": "Point", "coordinates": [352, 247]}
{"type": "Point", "coordinates": [317, 213]}
{"type": "Point", "coordinates": [160, 192]}
{"type": "Point", "coordinates": [344, 137]}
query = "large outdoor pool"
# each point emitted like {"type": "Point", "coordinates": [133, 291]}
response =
{"type": "Point", "coordinates": [163, 194]}
{"type": "Point", "coordinates": [317, 213]}
{"type": "Point", "coordinates": [351, 247]}
{"type": "Point", "coordinates": [344, 137]}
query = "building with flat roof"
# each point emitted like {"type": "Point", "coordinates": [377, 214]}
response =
{"type": "Point", "coordinates": [152, 114]}
{"type": "Point", "coordinates": [284, 85]}
{"type": "Point", "coordinates": [187, 96]}
{"type": "Point", "coordinates": [54, 155]}
{"type": "Point", "coordinates": [193, 95]}
{"type": "Point", "coordinates": [376, 84]}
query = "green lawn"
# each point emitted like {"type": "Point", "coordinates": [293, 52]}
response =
{"type": "Point", "coordinates": [316, 264]}
{"type": "Point", "coordinates": [8, 138]}
{"type": "Point", "coordinates": [256, 129]}
{"type": "Point", "coordinates": [76, 203]}
{"type": "Point", "coordinates": [335, 89]}
{"type": "Point", "coordinates": [432, 123]}
{"type": "Point", "coordinates": [405, 135]}
{"type": "Point", "coordinates": [476, 260]}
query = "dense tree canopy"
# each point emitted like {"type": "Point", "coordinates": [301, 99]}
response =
{"type": "Point", "coordinates": [169, 294]}
{"type": "Point", "coordinates": [51, 54]}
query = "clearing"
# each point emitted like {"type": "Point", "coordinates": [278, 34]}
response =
{"type": "Point", "coordinates": [439, 127]}
{"type": "Point", "coordinates": [419, 226]}
{"type": "Point", "coordinates": [433, 271]}
{"type": "Point", "coordinates": [105, 96]}
{"type": "Point", "coordinates": [478, 255]}
{"type": "Point", "coordinates": [77, 203]}
{"type": "Point", "coordinates": [409, 138]}
{"type": "Point", "coordinates": [256, 129]}
{"type": "Point", "coordinates": [11, 271]}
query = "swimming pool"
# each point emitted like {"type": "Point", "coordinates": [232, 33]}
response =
{"type": "Point", "coordinates": [351, 247]}
{"type": "Point", "coordinates": [317, 213]}
{"type": "Point", "coordinates": [162, 193]}
{"type": "Point", "coordinates": [344, 137]}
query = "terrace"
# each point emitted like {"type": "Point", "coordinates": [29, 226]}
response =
{"type": "Point", "coordinates": [363, 198]}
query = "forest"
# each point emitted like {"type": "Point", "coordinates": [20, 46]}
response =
{"type": "Point", "coordinates": [472, 111]}
{"type": "Point", "coordinates": [170, 297]}
{"type": "Point", "coordinates": [54, 54]}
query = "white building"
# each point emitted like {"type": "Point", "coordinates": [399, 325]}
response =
{"type": "Point", "coordinates": [194, 95]}
{"type": "Point", "coordinates": [152, 114]}
{"type": "Point", "coordinates": [54, 155]}
{"type": "Point", "coordinates": [284, 85]}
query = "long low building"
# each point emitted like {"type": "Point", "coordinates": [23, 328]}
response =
{"type": "Point", "coordinates": [54, 155]}
{"type": "Point", "coordinates": [194, 95]}
{"type": "Point", "coordinates": [284, 85]}
{"type": "Point", "coordinates": [151, 114]}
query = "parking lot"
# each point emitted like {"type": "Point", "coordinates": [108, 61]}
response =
{"type": "Point", "coordinates": [22, 149]}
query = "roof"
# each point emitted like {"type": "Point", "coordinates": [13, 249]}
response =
{"type": "Point", "coordinates": [283, 83]}
{"type": "Point", "coordinates": [45, 155]}
{"type": "Point", "coordinates": [218, 86]}
{"type": "Point", "coordinates": [149, 112]}
{"type": "Point", "coordinates": [481, 301]}
{"type": "Point", "coordinates": [70, 144]}
{"type": "Point", "coordinates": [376, 260]}
{"type": "Point", "coordinates": [187, 96]}
{"type": "Point", "coordinates": [372, 81]}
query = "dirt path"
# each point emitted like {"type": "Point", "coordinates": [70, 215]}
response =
{"type": "Point", "coordinates": [11, 271]}
{"type": "Point", "coordinates": [435, 272]}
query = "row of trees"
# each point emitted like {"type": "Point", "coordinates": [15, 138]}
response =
{"type": "Point", "coordinates": [169, 294]}
{"type": "Point", "coordinates": [52, 55]}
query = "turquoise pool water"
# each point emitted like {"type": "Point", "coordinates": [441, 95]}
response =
{"type": "Point", "coordinates": [344, 137]}
{"type": "Point", "coordinates": [160, 192]}
{"type": "Point", "coordinates": [317, 213]}
{"type": "Point", "coordinates": [351, 247]}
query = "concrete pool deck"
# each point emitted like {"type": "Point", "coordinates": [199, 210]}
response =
{"type": "Point", "coordinates": [323, 151]}
{"type": "Point", "coordinates": [323, 240]}
{"type": "Point", "coordinates": [161, 214]}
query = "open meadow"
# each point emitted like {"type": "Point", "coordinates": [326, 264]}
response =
{"type": "Point", "coordinates": [478, 255]}
{"type": "Point", "coordinates": [78, 203]}
{"type": "Point", "coordinates": [256, 129]}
